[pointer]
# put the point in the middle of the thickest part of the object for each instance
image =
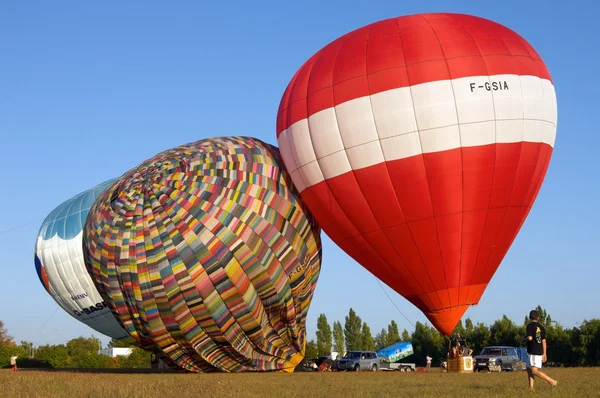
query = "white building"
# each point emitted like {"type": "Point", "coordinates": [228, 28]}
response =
{"type": "Point", "coordinates": [114, 351]}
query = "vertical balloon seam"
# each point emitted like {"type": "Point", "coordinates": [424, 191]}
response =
{"type": "Point", "coordinates": [422, 160]}
{"type": "Point", "coordinates": [241, 262]}
{"type": "Point", "coordinates": [470, 286]}
{"type": "Point", "coordinates": [277, 212]}
{"type": "Point", "coordinates": [182, 342]}
{"type": "Point", "coordinates": [293, 84]}
{"type": "Point", "coordinates": [193, 309]}
{"type": "Point", "coordinates": [65, 283]}
{"type": "Point", "coordinates": [424, 265]}
{"type": "Point", "coordinates": [331, 191]}
{"type": "Point", "coordinates": [151, 329]}
{"type": "Point", "coordinates": [525, 205]}
{"type": "Point", "coordinates": [267, 208]}
{"type": "Point", "coordinates": [462, 170]}
{"type": "Point", "coordinates": [68, 266]}
{"type": "Point", "coordinates": [177, 336]}
{"type": "Point", "coordinates": [230, 193]}
{"type": "Point", "coordinates": [385, 163]}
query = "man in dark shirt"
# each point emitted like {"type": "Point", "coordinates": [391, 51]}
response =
{"type": "Point", "coordinates": [535, 337]}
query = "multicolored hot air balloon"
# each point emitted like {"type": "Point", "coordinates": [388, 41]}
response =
{"type": "Point", "coordinates": [61, 269]}
{"type": "Point", "coordinates": [419, 144]}
{"type": "Point", "coordinates": [207, 257]}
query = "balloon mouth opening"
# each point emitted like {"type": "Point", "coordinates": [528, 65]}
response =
{"type": "Point", "coordinates": [445, 320]}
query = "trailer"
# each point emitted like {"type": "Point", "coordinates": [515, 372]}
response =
{"type": "Point", "coordinates": [390, 357]}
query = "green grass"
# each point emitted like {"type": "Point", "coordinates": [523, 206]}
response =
{"type": "Point", "coordinates": [573, 382]}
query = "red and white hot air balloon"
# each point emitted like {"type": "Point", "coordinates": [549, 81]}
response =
{"type": "Point", "coordinates": [419, 144]}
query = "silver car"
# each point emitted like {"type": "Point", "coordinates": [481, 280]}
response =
{"type": "Point", "coordinates": [497, 358]}
{"type": "Point", "coordinates": [359, 360]}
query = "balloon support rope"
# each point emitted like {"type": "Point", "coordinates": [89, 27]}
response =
{"type": "Point", "coordinates": [391, 301]}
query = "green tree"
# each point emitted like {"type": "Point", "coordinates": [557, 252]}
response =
{"type": "Point", "coordinates": [469, 329]}
{"type": "Point", "coordinates": [311, 350]}
{"type": "Point", "coordinates": [480, 337]}
{"type": "Point", "coordinates": [56, 356]}
{"type": "Point", "coordinates": [83, 352]}
{"type": "Point", "coordinates": [6, 351]}
{"type": "Point", "coordinates": [460, 330]}
{"type": "Point", "coordinates": [352, 331]}
{"type": "Point", "coordinates": [141, 359]}
{"type": "Point", "coordinates": [381, 339]}
{"type": "Point", "coordinates": [393, 334]}
{"type": "Point", "coordinates": [367, 338]}
{"type": "Point", "coordinates": [427, 341]}
{"type": "Point", "coordinates": [590, 341]}
{"type": "Point", "coordinates": [505, 332]}
{"type": "Point", "coordinates": [324, 336]}
{"type": "Point", "coordinates": [338, 338]}
{"type": "Point", "coordinates": [545, 318]}
{"type": "Point", "coordinates": [28, 347]}
{"type": "Point", "coordinates": [406, 336]}
{"type": "Point", "coordinates": [92, 360]}
{"type": "Point", "coordinates": [558, 344]}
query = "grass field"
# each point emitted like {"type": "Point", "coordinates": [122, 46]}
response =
{"type": "Point", "coordinates": [582, 382]}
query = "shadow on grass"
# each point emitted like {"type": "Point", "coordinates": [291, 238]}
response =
{"type": "Point", "coordinates": [107, 371]}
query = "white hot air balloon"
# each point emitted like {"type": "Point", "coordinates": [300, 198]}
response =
{"type": "Point", "coordinates": [61, 269]}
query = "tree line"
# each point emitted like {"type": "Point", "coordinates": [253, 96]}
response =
{"type": "Point", "coordinates": [577, 346]}
{"type": "Point", "coordinates": [81, 352]}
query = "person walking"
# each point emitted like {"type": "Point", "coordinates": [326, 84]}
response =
{"type": "Point", "coordinates": [428, 363]}
{"type": "Point", "coordinates": [13, 362]}
{"type": "Point", "coordinates": [535, 337]}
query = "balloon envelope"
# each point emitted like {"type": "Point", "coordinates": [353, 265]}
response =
{"type": "Point", "coordinates": [419, 144]}
{"type": "Point", "coordinates": [61, 269]}
{"type": "Point", "coordinates": [206, 256]}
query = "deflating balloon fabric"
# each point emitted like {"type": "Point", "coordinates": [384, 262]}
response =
{"type": "Point", "coordinates": [206, 256]}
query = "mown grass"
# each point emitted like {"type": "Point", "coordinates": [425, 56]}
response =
{"type": "Point", "coordinates": [579, 382]}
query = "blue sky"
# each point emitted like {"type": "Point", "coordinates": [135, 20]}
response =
{"type": "Point", "coordinates": [90, 89]}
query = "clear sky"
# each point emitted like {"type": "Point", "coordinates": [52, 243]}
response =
{"type": "Point", "coordinates": [90, 89]}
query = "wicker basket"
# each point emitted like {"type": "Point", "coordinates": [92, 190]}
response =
{"type": "Point", "coordinates": [461, 364]}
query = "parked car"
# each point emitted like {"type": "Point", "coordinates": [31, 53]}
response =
{"type": "Point", "coordinates": [359, 360]}
{"type": "Point", "coordinates": [497, 359]}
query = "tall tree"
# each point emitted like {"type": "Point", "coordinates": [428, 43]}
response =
{"type": "Point", "coordinates": [393, 335]}
{"type": "Point", "coordinates": [324, 336]}
{"type": "Point", "coordinates": [405, 335]}
{"type": "Point", "coordinates": [367, 338]}
{"type": "Point", "coordinates": [5, 339]}
{"type": "Point", "coordinates": [590, 341]}
{"type": "Point", "coordinates": [352, 331]}
{"type": "Point", "coordinates": [468, 328]}
{"type": "Point", "coordinates": [545, 318]}
{"type": "Point", "coordinates": [427, 341]}
{"type": "Point", "coordinates": [460, 330]}
{"type": "Point", "coordinates": [505, 332]}
{"type": "Point", "coordinates": [311, 350]}
{"type": "Point", "coordinates": [381, 339]}
{"type": "Point", "coordinates": [338, 338]}
{"type": "Point", "coordinates": [28, 347]}
{"type": "Point", "coordinates": [81, 346]}
{"type": "Point", "coordinates": [480, 337]}
{"type": "Point", "coordinates": [56, 356]}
